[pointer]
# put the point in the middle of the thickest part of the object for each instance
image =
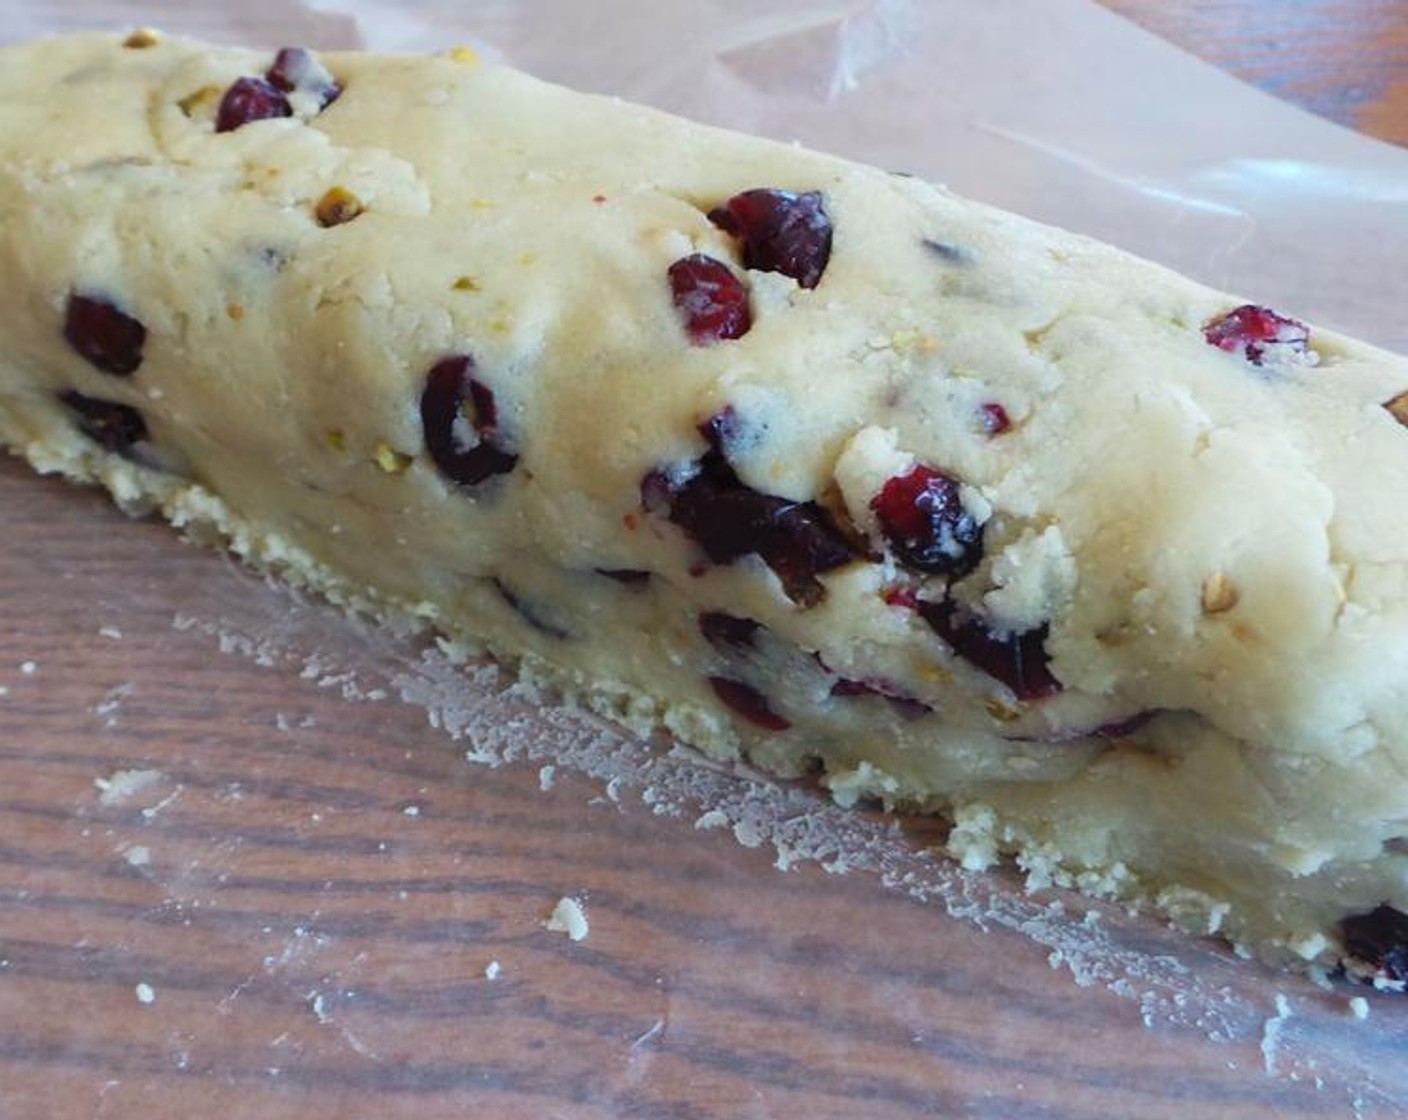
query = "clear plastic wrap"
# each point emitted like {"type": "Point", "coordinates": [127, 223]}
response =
{"type": "Point", "coordinates": [1053, 108]}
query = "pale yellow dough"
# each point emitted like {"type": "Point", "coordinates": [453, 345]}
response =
{"type": "Point", "coordinates": [1221, 545]}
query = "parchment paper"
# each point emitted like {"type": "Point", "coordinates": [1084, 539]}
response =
{"type": "Point", "coordinates": [1054, 108]}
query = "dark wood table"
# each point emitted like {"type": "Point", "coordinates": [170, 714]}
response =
{"type": "Point", "coordinates": [238, 879]}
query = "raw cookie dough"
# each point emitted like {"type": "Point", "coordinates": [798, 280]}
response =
{"type": "Point", "coordinates": [799, 459]}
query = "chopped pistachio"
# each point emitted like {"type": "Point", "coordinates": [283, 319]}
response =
{"type": "Point", "coordinates": [142, 38]}
{"type": "Point", "coordinates": [339, 205]}
{"type": "Point", "coordinates": [336, 439]}
{"type": "Point", "coordinates": [1001, 712]}
{"type": "Point", "coordinates": [390, 460]}
{"type": "Point", "coordinates": [203, 100]}
{"type": "Point", "coordinates": [1219, 594]}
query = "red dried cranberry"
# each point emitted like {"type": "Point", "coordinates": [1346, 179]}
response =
{"type": "Point", "coordinates": [782, 231]}
{"type": "Point", "coordinates": [748, 702]}
{"type": "Point", "coordinates": [904, 704]}
{"type": "Point", "coordinates": [1379, 939]}
{"type": "Point", "coordinates": [713, 300]}
{"type": "Point", "coordinates": [249, 100]}
{"type": "Point", "coordinates": [993, 419]}
{"type": "Point", "coordinates": [108, 338]}
{"type": "Point", "coordinates": [907, 597]}
{"type": "Point", "coordinates": [1019, 661]}
{"type": "Point", "coordinates": [460, 420]}
{"type": "Point", "coordinates": [926, 524]}
{"type": "Point", "coordinates": [728, 633]}
{"type": "Point", "coordinates": [298, 70]}
{"type": "Point", "coordinates": [1119, 728]}
{"type": "Point", "coordinates": [112, 426]}
{"type": "Point", "coordinates": [728, 520]}
{"type": "Point", "coordinates": [1115, 729]}
{"type": "Point", "coordinates": [1258, 333]}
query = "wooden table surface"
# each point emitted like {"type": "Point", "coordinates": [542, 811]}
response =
{"type": "Point", "coordinates": [1344, 59]}
{"type": "Point", "coordinates": [237, 880]}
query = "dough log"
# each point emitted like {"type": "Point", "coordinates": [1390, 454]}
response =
{"type": "Point", "coordinates": [801, 460]}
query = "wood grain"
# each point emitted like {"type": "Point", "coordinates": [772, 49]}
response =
{"type": "Point", "coordinates": [310, 889]}
{"type": "Point", "coordinates": [1343, 59]}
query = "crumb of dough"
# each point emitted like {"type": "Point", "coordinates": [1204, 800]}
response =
{"type": "Point", "coordinates": [492, 970]}
{"type": "Point", "coordinates": [1359, 1008]}
{"type": "Point", "coordinates": [568, 917]}
{"type": "Point", "coordinates": [145, 993]}
{"type": "Point", "coordinates": [122, 784]}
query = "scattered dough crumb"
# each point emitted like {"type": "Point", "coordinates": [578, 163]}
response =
{"type": "Point", "coordinates": [122, 784]}
{"type": "Point", "coordinates": [568, 917]}
{"type": "Point", "coordinates": [1271, 1034]}
{"type": "Point", "coordinates": [545, 776]}
{"type": "Point", "coordinates": [110, 632]}
{"type": "Point", "coordinates": [492, 970]}
{"type": "Point", "coordinates": [411, 810]}
{"type": "Point", "coordinates": [1359, 1008]}
{"type": "Point", "coordinates": [714, 818]}
{"type": "Point", "coordinates": [145, 993]}
{"type": "Point", "coordinates": [29, 668]}
{"type": "Point", "coordinates": [139, 855]}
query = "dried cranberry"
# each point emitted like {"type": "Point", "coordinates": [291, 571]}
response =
{"type": "Point", "coordinates": [1115, 729]}
{"type": "Point", "coordinates": [925, 522]}
{"type": "Point", "coordinates": [108, 338]}
{"type": "Point", "coordinates": [1258, 333]}
{"type": "Point", "coordinates": [906, 705]}
{"type": "Point", "coordinates": [748, 702]}
{"type": "Point", "coordinates": [112, 426]}
{"type": "Point", "coordinates": [249, 100]}
{"type": "Point", "coordinates": [992, 419]}
{"type": "Point", "coordinates": [298, 70]}
{"type": "Point", "coordinates": [781, 231]}
{"type": "Point", "coordinates": [898, 596]}
{"type": "Point", "coordinates": [1118, 729]}
{"type": "Point", "coordinates": [728, 633]}
{"type": "Point", "coordinates": [1379, 939]}
{"type": "Point", "coordinates": [728, 520]}
{"type": "Point", "coordinates": [1019, 661]}
{"type": "Point", "coordinates": [713, 300]}
{"type": "Point", "coordinates": [460, 420]}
